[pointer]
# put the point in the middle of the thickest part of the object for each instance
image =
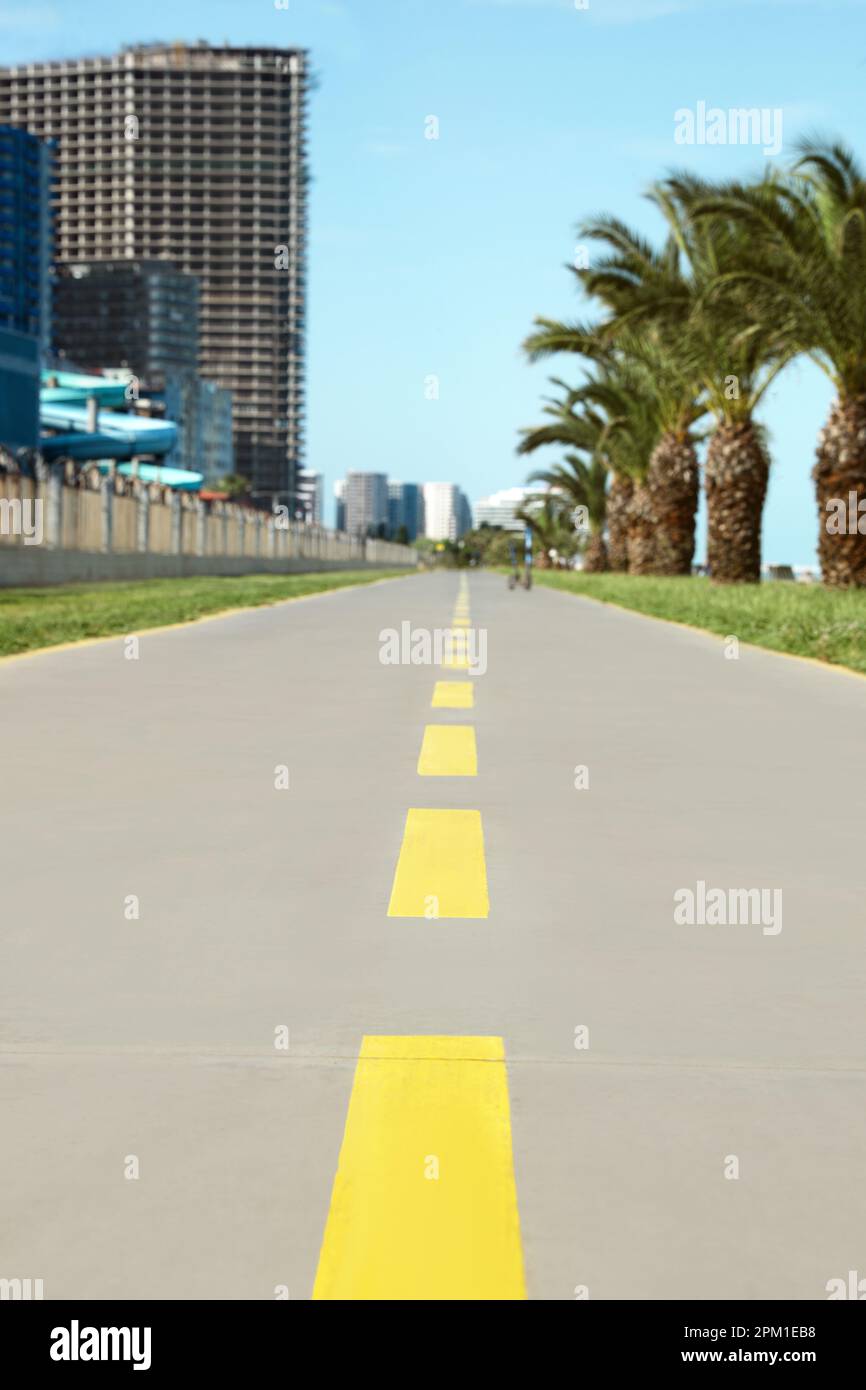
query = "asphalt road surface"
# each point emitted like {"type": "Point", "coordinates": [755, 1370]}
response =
{"type": "Point", "coordinates": [297, 996]}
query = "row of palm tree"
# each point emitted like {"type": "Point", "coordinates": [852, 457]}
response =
{"type": "Point", "coordinates": [691, 335]}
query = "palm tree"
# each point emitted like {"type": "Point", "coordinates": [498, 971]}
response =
{"type": "Point", "coordinates": [548, 520]}
{"type": "Point", "coordinates": [805, 268]}
{"type": "Point", "coordinates": [582, 484]}
{"type": "Point", "coordinates": [619, 500]}
{"type": "Point", "coordinates": [669, 505]}
{"type": "Point", "coordinates": [654, 345]}
{"type": "Point", "coordinates": [586, 432]}
{"type": "Point", "coordinates": [678, 302]}
{"type": "Point", "coordinates": [631, 432]}
{"type": "Point", "coordinates": [717, 346]}
{"type": "Point", "coordinates": [610, 412]}
{"type": "Point", "coordinates": [735, 355]}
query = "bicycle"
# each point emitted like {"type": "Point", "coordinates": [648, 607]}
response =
{"type": "Point", "coordinates": [515, 578]}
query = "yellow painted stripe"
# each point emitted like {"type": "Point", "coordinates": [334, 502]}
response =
{"type": "Point", "coordinates": [456, 660]}
{"type": "Point", "coordinates": [448, 750]}
{"type": "Point", "coordinates": [422, 1107]}
{"type": "Point", "coordinates": [441, 871]}
{"type": "Point", "coordinates": [461, 622]}
{"type": "Point", "coordinates": [453, 695]}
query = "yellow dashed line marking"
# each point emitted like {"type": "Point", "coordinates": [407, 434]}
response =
{"type": "Point", "coordinates": [424, 1204]}
{"type": "Point", "coordinates": [448, 750]}
{"type": "Point", "coordinates": [441, 871]}
{"type": "Point", "coordinates": [453, 695]}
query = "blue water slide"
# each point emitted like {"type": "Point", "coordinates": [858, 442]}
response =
{"type": "Point", "coordinates": [118, 435]}
{"type": "Point", "coordinates": [73, 388]}
{"type": "Point", "coordinates": [133, 434]}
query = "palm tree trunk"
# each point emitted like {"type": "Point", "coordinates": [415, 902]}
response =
{"type": "Point", "coordinates": [618, 500]}
{"type": "Point", "coordinates": [736, 483]}
{"type": "Point", "coordinates": [642, 526]}
{"type": "Point", "coordinates": [595, 555]}
{"type": "Point", "coordinates": [839, 472]}
{"type": "Point", "coordinates": [672, 481]}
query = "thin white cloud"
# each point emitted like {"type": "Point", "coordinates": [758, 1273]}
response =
{"type": "Point", "coordinates": [642, 11]}
{"type": "Point", "coordinates": [525, 4]}
{"type": "Point", "coordinates": [639, 11]}
{"type": "Point", "coordinates": [385, 149]}
{"type": "Point", "coordinates": [29, 19]}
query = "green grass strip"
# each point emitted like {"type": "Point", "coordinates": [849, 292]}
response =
{"type": "Point", "coordinates": [34, 618]}
{"type": "Point", "coordinates": [801, 619]}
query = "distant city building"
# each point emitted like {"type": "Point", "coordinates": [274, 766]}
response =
{"type": "Point", "coordinates": [440, 511]}
{"type": "Point", "coordinates": [340, 505]}
{"type": "Point", "coordinates": [311, 496]}
{"type": "Point", "coordinates": [197, 155]}
{"type": "Point", "coordinates": [406, 508]}
{"type": "Point", "coordinates": [26, 237]}
{"type": "Point", "coordinates": [366, 499]}
{"type": "Point", "coordinates": [499, 508]}
{"type": "Point", "coordinates": [371, 504]}
{"type": "Point", "coordinates": [447, 515]}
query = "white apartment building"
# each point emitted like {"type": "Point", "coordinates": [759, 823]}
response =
{"type": "Point", "coordinates": [446, 512]}
{"type": "Point", "coordinates": [311, 496]}
{"type": "Point", "coordinates": [440, 511]}
{"type": "Point", "coordinates": [499, 508]}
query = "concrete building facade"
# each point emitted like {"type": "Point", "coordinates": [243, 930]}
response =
{"type": "Point", "coordinates": [195, 154]}
{"type": "Point", "coordinates": [366, 499]}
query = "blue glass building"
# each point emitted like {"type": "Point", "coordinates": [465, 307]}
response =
{"type": "Point", "coordinates": [406, 508]}
{"type": "Point", "coordinates": [26, 245]}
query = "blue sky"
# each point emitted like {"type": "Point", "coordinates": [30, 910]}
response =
{"type": "Point", "coordinates": [432, 257]}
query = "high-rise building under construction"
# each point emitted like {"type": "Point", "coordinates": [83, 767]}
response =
{"type": "Point", "coordinates": [195, 154]}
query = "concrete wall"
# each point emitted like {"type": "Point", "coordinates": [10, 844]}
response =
{"type": "Point", "coordinates": [86, 528]}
